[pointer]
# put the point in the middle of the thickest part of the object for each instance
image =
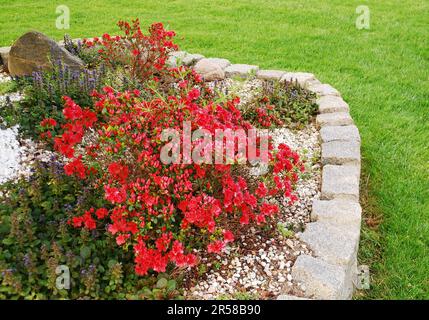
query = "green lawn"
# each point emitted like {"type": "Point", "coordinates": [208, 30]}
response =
{"type": "Point", "coordinates": [383, 73]}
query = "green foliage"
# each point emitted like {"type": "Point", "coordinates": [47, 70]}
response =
{"type": "Point", "coordinates": [285, 103]}
{"type": "Point", "coordinates": [36, 238]}
{"type": "Point", "coordinates": [7, 87]}
{"type": "Point", "coordinates": [88, 55]}
{"type": "Point", "coordinates": [284, 231]}
{"type": "Point", "coordinates": [43, 95]}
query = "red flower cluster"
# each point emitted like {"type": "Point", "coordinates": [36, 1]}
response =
{"type": "Point", "coordinates": [46, 125]}
{"type": "Point", "coordinates": [144, 54]}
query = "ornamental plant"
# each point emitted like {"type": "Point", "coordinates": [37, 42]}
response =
{"type": "Point", "coordinates": [281, 104]}
{"type": "Point", "coordinates": [164, 213]}
{"type": "Point", "coordinates": [144, 55]}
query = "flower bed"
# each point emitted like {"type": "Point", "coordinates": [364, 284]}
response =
{"type": "Point", "coordinates": [134, 225]}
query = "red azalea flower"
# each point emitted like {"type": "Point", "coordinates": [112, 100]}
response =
{"type": "Point", "coordinates": [118, 171]}
{"type": "Point", "coordinates": [228, 236]}
{"type": "Point", "coordinates": [101, 213]}
{"type": "Point", "coordinates": [48, 122]}
{"type": "Point", "coordinates": [215, 247]}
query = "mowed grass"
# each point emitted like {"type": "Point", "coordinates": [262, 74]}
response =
{"type": "Point", "coordinates": [382, 73]}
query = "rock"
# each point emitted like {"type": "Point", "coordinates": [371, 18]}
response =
{"type": "Point", "coordinates": [323, 89]}
{"type": "Point", "coordinates": [341, 152]}
{"type": "Point", "coordinates": [222, 63]}
{"type": "Point", "coordinates": [337, 212]}
{"type": "Point", "coordinates": [330, 103]}
{"type": "Point", "coordinates": [340, 182]}
{"type": "Point", "coordinates": [333, 244]}
{"type": "Point", "coordinates": [303, 78]}
{"type": "Point", "coordinates": [240, 70]}
{"type": "Point", "coordinates": [339, 133]}
{"type": "Point", "coordinates": [321, 279]}
{"type": "Point", "coordinates": [209, 70]}
{"type": "Point", "coordinates": [184, 58]}
{"type": "Point", "coordinates": [33, 51]}
{"type": "Point", "coordinates": [175, 58]}
{"type": "Point", "coordinates": [334, 119]}
{"type": "Point", "coordinates": [270, 74]}
{"type": "Point", "coordinates": [289, 297]}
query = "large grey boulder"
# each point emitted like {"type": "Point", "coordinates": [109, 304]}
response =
{"type": "Point", "coordinates": [34, 51]}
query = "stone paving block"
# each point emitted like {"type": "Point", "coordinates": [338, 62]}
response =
{"type": "Point", "coordinates": [330, 103]}
{"type": "Point", "coordinates": [175, 57]}
{"type": "Point", "coordinates": [269, 74]}
{"type": "Point", "coordinates": [209, 70]}
{"type": "Point", "coordinates": [339, 133]}
{"type": "Point", "coordinates": [312, 82]}
{"type": "Point", "coordinates": [334, 119]}
{"type": "Point", "coordinates": [190, 59]}
{"type": "Point", "coordinates": [321, 279]}
{"type": "Point", "coordinates": [240, 70]}
{"type": "Point", "coordinates": [301, 77]}
{"type": "Point", "coordinates": [341, 152]}
{"type": "Point", "coordinates": [223, 63]}
{"type": "Point", "coordinates": [337, 212]}
{"type": "Point", "coordinates": [336, 245]}
{"type": "Point", "coordinates": [289, 297]}
{"type": "Point", "coordinates": [323, 89]}
{"type": "Point", "coordinates": [340, 182]}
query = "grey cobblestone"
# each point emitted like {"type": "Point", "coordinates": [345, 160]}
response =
{"type": "Point", "coordinates": [341, 152]}
{"type": "Point", "coordinates": [339, 133]}
{"type": "Point", "coordinates": [321, 279]}
{"type": "Point", "coordinates": [334, 119]}
{"type": "Point", "coordinates": [269, 74]}
{"type": "Point", "coordinates": [330, 103]}
{"type": "Point", "coordinates": [240, 70]}
{"type": "Point", "coordinates": [340, 182]}
{"type": "Point", "coordinates": [301, 77]}
{"type": "Point", "coordinates": [334, 244]}
{"type": "Point", "coordinates": [323, 89]}
{"type": "Point", "coordinates": [337, 212]}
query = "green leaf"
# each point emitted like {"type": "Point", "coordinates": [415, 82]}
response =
{"type": "Point", "coordinates": [85, 252]}
{"type": "Point", "coordinates": [7, 241]}
{"type": "Point", "coordinates": [162, 283]}
{"type": "Point", "coordinates": [171, 285]}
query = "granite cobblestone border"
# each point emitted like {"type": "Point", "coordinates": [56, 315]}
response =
{"type": "Point", "coordinates": [334, 232]}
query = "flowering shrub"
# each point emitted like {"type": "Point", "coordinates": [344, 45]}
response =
{"type": "Point", "coordinates": [165, 211]}
{"type": "Point", "coordinates": [144, 55]}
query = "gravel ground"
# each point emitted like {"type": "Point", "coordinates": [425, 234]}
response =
{"type": "Point", "coordinates": [16, 154]}
{"type": "Point", "coordinates": [259, 264]}
{"type": "Point", "coordinates": [4, 77]}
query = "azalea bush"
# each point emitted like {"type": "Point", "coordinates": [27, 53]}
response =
{"type": "Point", "coordinates": [119, 213]}
{"type": "Point", "coordinates": [144, 55]}
{"type": "Point", "coordinates": [164, 211]}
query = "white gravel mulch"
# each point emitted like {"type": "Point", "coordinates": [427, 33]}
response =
{"type": "Point", "coordinates": [16, 154]}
